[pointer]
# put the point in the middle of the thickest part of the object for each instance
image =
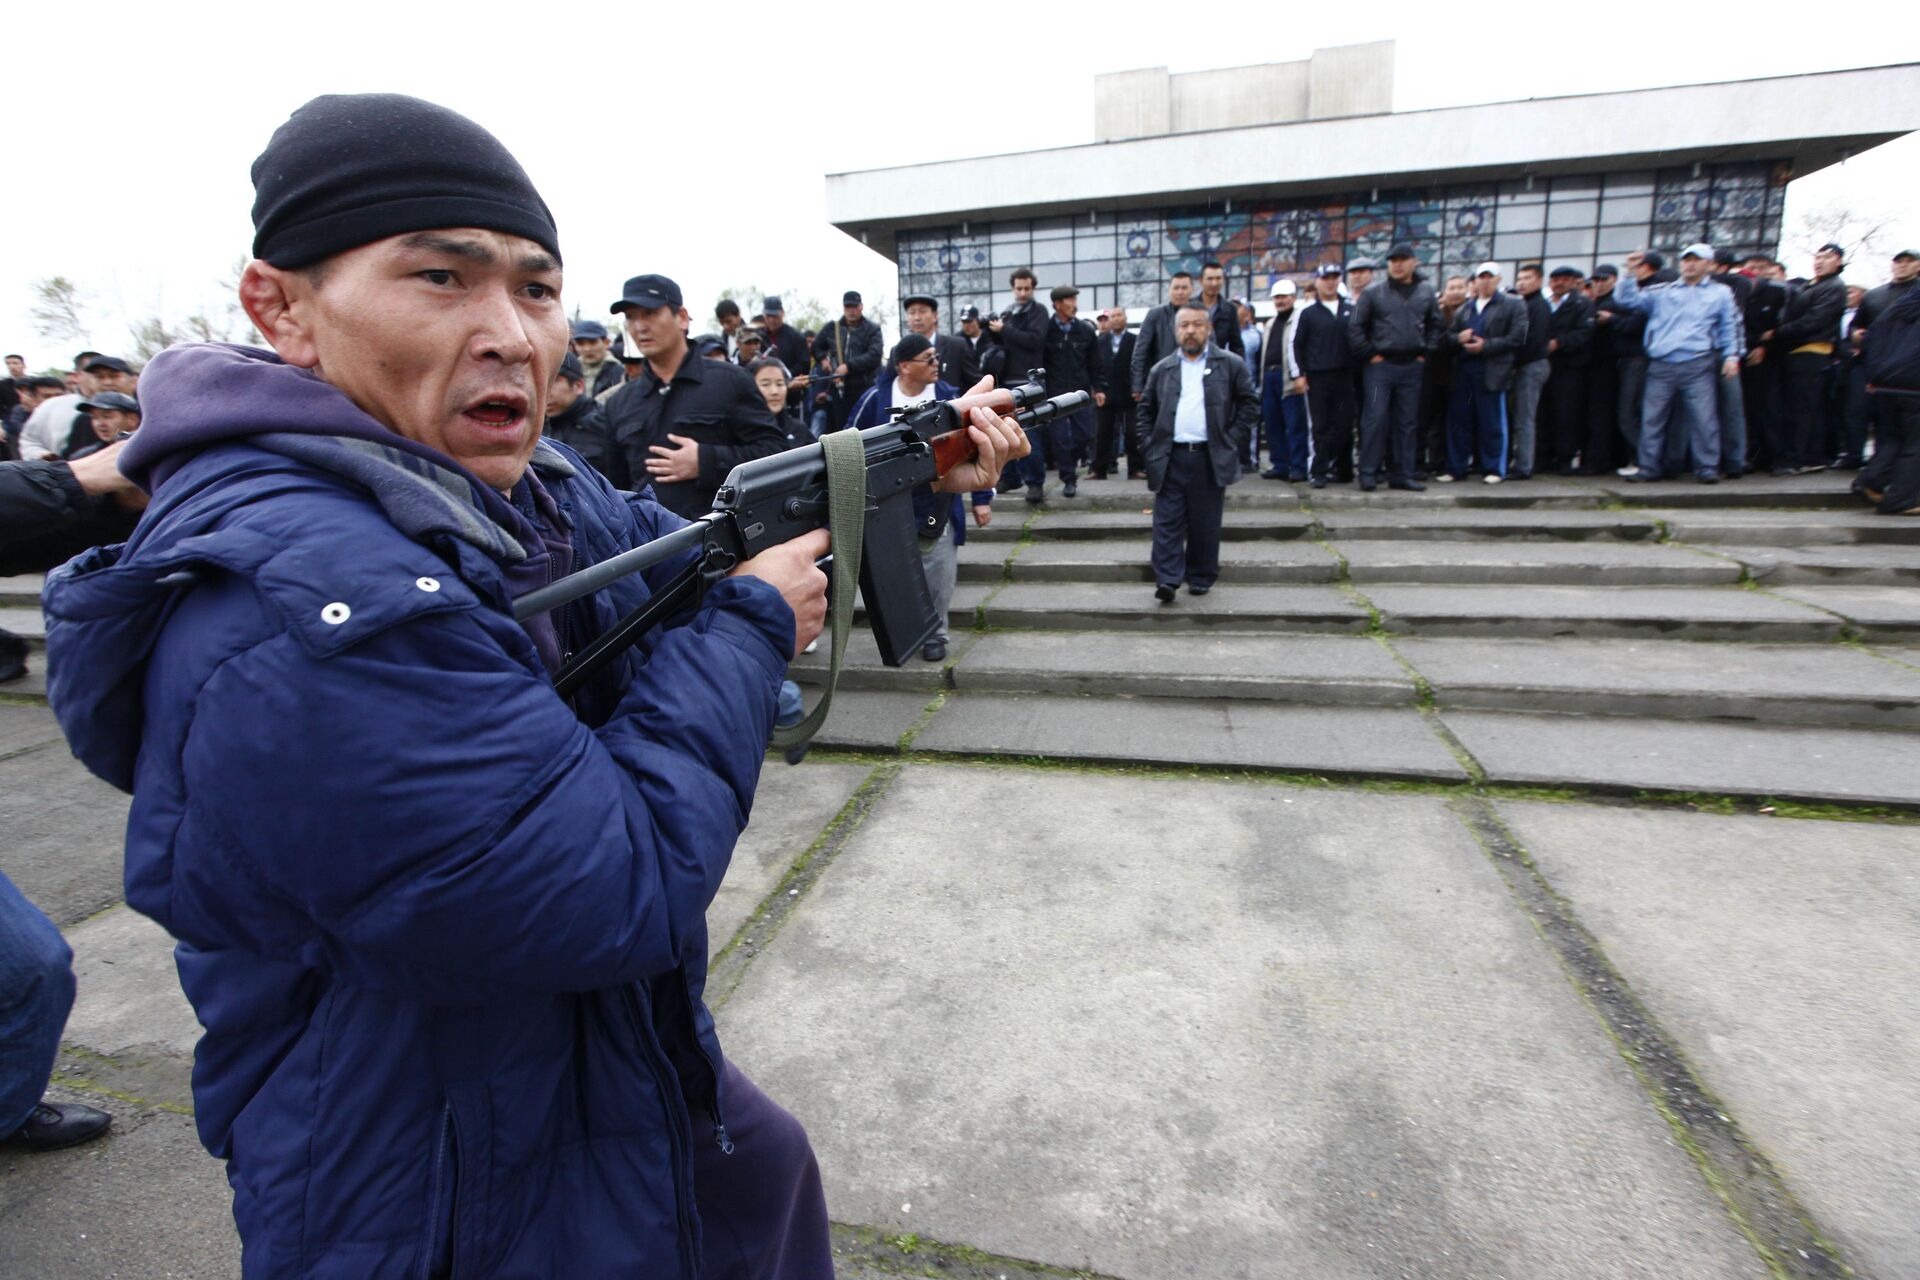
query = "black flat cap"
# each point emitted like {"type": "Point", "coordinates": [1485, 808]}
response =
{"type": "Point", "coordinates": [924, 299]}
{"type": "Point", "coordinates": [647, 292]}
{"type": "Point", "coordinates": [911, 347]}
{"type": "Point", "coordinates": [111, 400]}
{"type": "Point", "coordinates": [851, 298]}
{"type": "Point", "coordinates": [1401, 249]}
{"type": "Point", "coordinates": [348, 169]}
{"type": "Point", "coordinates": [114, 363]}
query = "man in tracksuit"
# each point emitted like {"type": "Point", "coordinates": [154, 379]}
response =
{"type": "Point", "coordinates": [1395, 323]}
{"type": "Point", "coordinates": [1488, 329]}
{"type": "Point", "coordinates": [1325, 359]}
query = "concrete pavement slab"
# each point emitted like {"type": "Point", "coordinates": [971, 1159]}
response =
{"type": "Point", "coordinates": [1265, 1024]}
{"type": "Point", "coordinates": [128, 996]}
{"type": "Point", "coordinates": [31, 687]}
{"type": "Point", "coordinates": [1828, 489]}
{"type": "Point", "coordinates": [1132, 607]}
{"type": "Point", "coordinates": [793, 805]}
{"type": "Point", "coordinates": [145, 1202]}
{"type": "Point", "coordinates": [65, 832]}
{"type": "Point", "coordinates": [1690, 613]}
{"type": "Point", "coordinates": [1136, 524]}
{"type": "Point", "coordinates": [21, 591]}
{"type": "Point", "coordinates": [1129, 560]}
{"type": "Point", "coordinates": [1784, 956]}
{"type": "Point", "coordinates": [1892, 612]}
{"type": "Point", "coordinates": [1371, 742]}
{"type": "Point", "coordinates": [24, 727]}
{"type": "Point", "coordinates": [1680, 679]}
{"type": "Point", "coordinates": [1343, 670]}
{"type": "Point", "coordinates": [868, 719]}
{"type": "Point", "coordinates": [1591, 562]}
{"type": "Point", "coordinates": [1787, 762]}
{"type": "Point", "coordinates": [862, 669]}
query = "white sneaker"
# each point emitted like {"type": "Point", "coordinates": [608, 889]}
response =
{"type": "Point", "coordinates": [1490, 479]}
{"type": "Point", "coordinates": [1627, 471]}
{"type": "Point", "coordinates": [1443, 479]}
{"type": "Point", "coordinates": [811, 646]}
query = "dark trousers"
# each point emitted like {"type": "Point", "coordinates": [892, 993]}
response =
{"type": "Point", "coordinates": [1110, 439]}
{"type": "Point", "coordinates": [1597, 451]}
{"type": "Point", "coordinates": [1564, 405]}
{"type": "Point", "coordinates": [1436, 399]}
{"type": "Point", "coordinates": [1895, 469]}
{"type": "Point", "coordinates": [1761, 390]}
{"type": "Point", "coordinates": [1803, 431]}
{"type": "Point", "coordinates": [1859, 414]}
{"type": "Point", "coordinates": [1390, 419]}
{"type": "Point", "coordinates": [763, 1215]}
{"type": "Point", "coordinates": [1056, 441]}
{"type": "Point", "coordinates": [1186, 521]}
{"type": "Point", "coordinates": [1476, 426]}
{"type": "Point", "coordinates": [1632, 388]}
{"type": "Point", "coordinates": [1330, 416]}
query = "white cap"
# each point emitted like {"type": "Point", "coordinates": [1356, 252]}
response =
{"type": "Point", "coordinates": [1702, 250]}
{"type": "Point", "coordinates": [1284, 289]}
{"type": "Point", "coordinates": [1487, 269]}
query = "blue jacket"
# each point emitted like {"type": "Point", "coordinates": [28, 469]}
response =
{"type": "Point", "coordinates": [933, 511]}
{"type": "Point", "coordinates": [446, 934]}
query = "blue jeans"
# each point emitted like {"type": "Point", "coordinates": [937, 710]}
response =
{"type": "Point", "coordinates": [1733, 420]}
{"type": "Point", "coordinates": [1286, 423]}
{"type": "Point", "coordinates": [1476, 424]}
{"type": "Point", "coordinates": [36, 994]}
{"type": "Point", "coordinates": [1690, 386]}
{"type": "Point", "coordinates": [1529, 380]}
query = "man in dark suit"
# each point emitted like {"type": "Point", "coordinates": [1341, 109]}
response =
{"type": "Point", "coordinates": [1324, 358]}
{"type": "Point", "coordinates": [1569, 335]}
{"type": "Point", "coordinates": [1196, 414]}
{"type": "Point", "coordinates": [1114, 396]}
{"type": "Point", "coordinates": [958, 366]}
{"type": "Point", "coordinates": [1156, 331]}
{"type": "Point", "coordinates": [1487, 330]}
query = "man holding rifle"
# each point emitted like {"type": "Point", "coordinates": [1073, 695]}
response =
{"type": "Point", "coordinates": [445, 930]}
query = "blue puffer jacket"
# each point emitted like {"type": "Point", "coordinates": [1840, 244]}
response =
{"type": "Point", "coordinates": [446, 934]}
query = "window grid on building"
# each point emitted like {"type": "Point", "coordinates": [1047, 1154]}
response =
{"type": "Point", "coordinates": [1125, 259]}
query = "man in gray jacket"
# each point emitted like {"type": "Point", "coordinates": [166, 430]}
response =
{"type": "Point", "coordinates": [1489, 328]}
{"type": "Point", "coordinates": [1196, 413]}
{"type": "Point", "coordinates": [1395, 323]}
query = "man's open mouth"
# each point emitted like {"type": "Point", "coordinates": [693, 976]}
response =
{"type": "Point", "coordinates": [498, 411]}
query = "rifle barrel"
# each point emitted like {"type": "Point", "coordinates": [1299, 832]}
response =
{"type": "Point", "coordinates": [594, 577]}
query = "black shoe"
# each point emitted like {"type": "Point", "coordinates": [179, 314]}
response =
{"type": "Point", "coordinates": [1412, 485]}
{"type": "Point", "coordinates": [1136, 475]}
{"type": "Point", "coordinates": [1296, 476]}
{"type": "Point", "coordinates": [1318, 482]}
{"type": "Point", "coordinates": [1368, 486]}
{"type": "Point", "coordinates": [1519, 475]}
{"type": "Point", "coordinates": [1642, 477]}
{"type": "Point", "coordinates": [1036, 492]}
{"type": "Point", "coordinates": [1096, 475]}
{"type": "Point", "coordinates": [1810, 468]}
{"type": "Point", "coordinates": [1273, 473]}
{"type": "Point", "coordinates": [1197, 591]}
{"type": "Point", "coordinates": [1708, 477]}
{"type": "Point", "coordinates": [934, 651]}
{"type": "Point", "coordinates": [1847, 462]}
{"type": "Point", "coordinates": [12, 669]}
{"type": "Point", "coordinates": [59, 1124]}
{"type": "Point", "coordinates": [1165, 595]}
{"type": "Point", "coordinates": [1783, 471]}
{"type": "Point", "coordinates": [1069, 490]}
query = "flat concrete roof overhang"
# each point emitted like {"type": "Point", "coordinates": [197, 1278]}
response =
{"type": "Point", "coordinates": [1812, 120]}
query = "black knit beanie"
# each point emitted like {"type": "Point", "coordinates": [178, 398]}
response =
{"type": "Point", "coordinates": [348, 169]}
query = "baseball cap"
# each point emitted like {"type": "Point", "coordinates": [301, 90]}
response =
{"type": "Point", "coordinates": [708, 342]}
{"type": "Point", "coordinates": [1654, 258]}
{"type": "Point", "coordinates": [772, 306]}
{"type": "Point", "coordinates": [1064, 291]}
{"type": "Point", "coordinates": [114, 363]}
{"type": "Point", "coordinates": [648, 292]}
{"type": "Point", "coordinates": [1284, 289]}
{"type": "Point", "coordinates": [589, 329]}
{"type": "Point", "coordinates": [1608, 270]}
{"type": "Point", "coordinates": [1563, 269]}
{"type": "Point", "coordinates": [1906, 253]}
{"type": "Point", "coordinates": [111, 400]}
{"type": "Point", "coordinates": [1361, 264]}
{"type": "Point", "coordinates": [1487, 269]}
{"type": "Point", "coordinates": [851, 298]}
{"type": "Point", "coordinates": [970, 313]}
{"type": "Point", "coordinates": [1698, 250]}
{"type": "Point", "coordinates": [911, 347]}
{"type": "Point", "coordinates": [1329, 269]}
{"type": "Point", "coordinates": [1401, 249]}
{"type": "Point", "coordinates": [570, 368]}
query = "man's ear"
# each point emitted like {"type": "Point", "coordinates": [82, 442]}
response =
{"type": "Point", "coordinates": [275, 300]}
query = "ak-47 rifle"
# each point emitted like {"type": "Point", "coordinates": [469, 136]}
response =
{"type": "Point", "coordinates": [860, 485]}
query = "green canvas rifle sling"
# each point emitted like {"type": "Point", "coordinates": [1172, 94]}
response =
{"type": "Point", "coordinates": [846, 458]}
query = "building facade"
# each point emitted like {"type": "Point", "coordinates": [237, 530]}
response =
{"type": "Point", "coordinates": [1277, 169]}
{"type": "Point", "coordinates": [1124, 259]}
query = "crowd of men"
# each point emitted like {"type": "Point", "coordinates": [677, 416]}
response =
{"type": "Point", "coordinates": [1712, 365]}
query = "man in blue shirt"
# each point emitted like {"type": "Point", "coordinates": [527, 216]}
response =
{"type": "Point", "coordinates": [1688, 321]}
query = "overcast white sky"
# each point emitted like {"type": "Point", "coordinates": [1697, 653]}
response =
{"type": "Point", "coordinates": [692, 140]}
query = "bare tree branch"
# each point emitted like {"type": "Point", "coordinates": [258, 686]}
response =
{"type": "Point", "coordinates": [59, 311]}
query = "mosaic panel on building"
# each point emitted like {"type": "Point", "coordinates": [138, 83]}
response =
{"type": "Point", "coordinates": [1125, 259]}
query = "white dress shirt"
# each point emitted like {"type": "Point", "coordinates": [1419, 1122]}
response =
{"type": "Point", "coordinates": [1190, 413]}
